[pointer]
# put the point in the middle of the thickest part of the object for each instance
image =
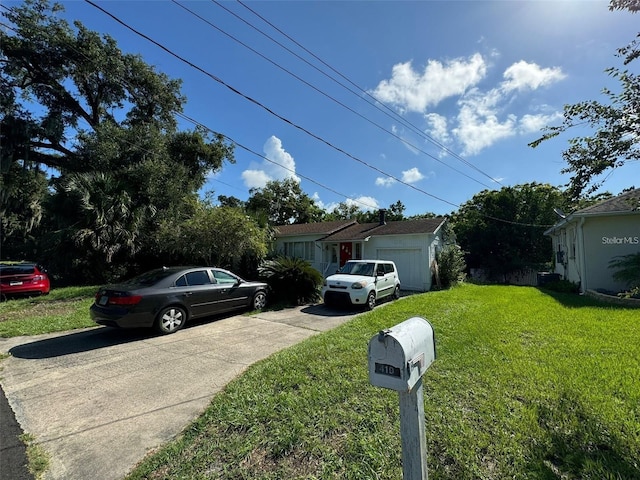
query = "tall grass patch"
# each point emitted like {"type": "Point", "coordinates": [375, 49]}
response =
{"type": "Point", "coordinates": [63, 309]}
{"type": "Point", "coordinates": [526, 385]}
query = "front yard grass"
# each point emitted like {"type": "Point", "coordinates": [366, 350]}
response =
{"type": "Point", "coordinates": [63, 309]}
{"type": "Point", "coordinates": [527, 385]}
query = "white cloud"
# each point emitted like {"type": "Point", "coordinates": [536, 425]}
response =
{"type": "Point", "coordinates": [478, 123]}
{"type": "Point", "coordinates": [523, 76]}
{"type": "Point", "coordinates": [364, 203]}
{"type": "Point", "coordinates": [384, 181]}
{"type": "Point", "coordinates": [535, 123]}
{"type": "Point", "coordinates": [412, 175]}
{"type": "Point", "coordinates": [279, 166]}
{"type": "Point", "coordinates": [483, 117]}
{"type": "Point", "coordinates": [437, 127]}
{"type": "Point", "coordinates": [255, 178]}
{"type": "Point", "coordinates": [414, 91]}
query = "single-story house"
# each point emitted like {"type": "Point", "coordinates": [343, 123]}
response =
{"type": "Point", "coordinates": [411, 244]}
{"type": "Point", "coordinates": [586, 241]}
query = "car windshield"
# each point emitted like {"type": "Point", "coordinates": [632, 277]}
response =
{"type": "Point", "coordinates": [150, 278]}
{"type": "Point", "coordinates": [17, 269]}
{"type": "Point", "coordinates": [358, 268]}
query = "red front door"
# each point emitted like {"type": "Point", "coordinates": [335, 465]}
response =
{"type": "Point", "coordinates": [345, 252]}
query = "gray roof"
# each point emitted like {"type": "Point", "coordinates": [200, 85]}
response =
{"type": "Point", "coordinates": [352, 230]}
{"type": "Point", "coordinates": [626, 202]}
{"type": "Point", "coordinates": [320, 228]}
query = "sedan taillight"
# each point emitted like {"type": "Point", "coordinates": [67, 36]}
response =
{"type": "Point", "coordinates": [127, 301]}
{"type": "Point", "coordinates": [104, 298]}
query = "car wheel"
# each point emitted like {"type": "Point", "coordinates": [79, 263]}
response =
{"type": "Point", "coordinates": [259, 300]}
{"type": "Point", "coordinates": [396, 293]}
{"type": "Point", "coordinates": [371, 301]}
{"type": "Point", "coordinates": [170, 319]}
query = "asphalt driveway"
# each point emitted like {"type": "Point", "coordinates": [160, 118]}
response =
{"type": "Point", "coordinates": [98, 400]}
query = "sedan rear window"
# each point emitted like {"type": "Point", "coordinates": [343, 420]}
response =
{"type": "Point", "coordinates": [198, 278]}
{"type": "Point", "coordinates": [150, 278]}
{"type": "Point", "coordinates": [191, 279]}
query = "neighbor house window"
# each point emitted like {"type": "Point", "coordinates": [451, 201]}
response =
{"type": "Point", "coordinates": [572, 244]}
{"type": "Point", "coordinates": [304, 250]}
{"type": "Point", "coordinates": [358, 251]}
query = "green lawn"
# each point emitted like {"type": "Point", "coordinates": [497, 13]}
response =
{"type": "Point", "coordinates": [527, 385]}
{"type": "Point", "coordinates": [63, 309]}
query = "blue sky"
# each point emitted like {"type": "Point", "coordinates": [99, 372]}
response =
{"type": "Point", "coordinates": [441, 98]}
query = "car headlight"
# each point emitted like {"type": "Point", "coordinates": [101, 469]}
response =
{"type": "Point", "coordinates": [358, 285]}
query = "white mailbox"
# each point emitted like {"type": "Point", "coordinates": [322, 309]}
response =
{"type": "Point", "coordinates": [399, 356]}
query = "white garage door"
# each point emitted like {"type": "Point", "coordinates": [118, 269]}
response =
{"type": "Point", "coordinates": [411, 266]}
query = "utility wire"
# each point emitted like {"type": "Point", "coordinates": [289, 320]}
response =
{"type": "Point", "coordinates": [124, 84]}
{"type": "Point", "coordinates": [201, 125]}
{"type": "Point", "coordinates": [333, 99]}
{"type": "Point", "coordinates": [374, 101]}
{"type": "Point", "coordinates": [197, 123]}
{"type": "Point", "coordinates": [264, 107]}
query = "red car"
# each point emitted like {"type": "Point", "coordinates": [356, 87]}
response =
{"type": "Point", "coordinates": [23, 279]}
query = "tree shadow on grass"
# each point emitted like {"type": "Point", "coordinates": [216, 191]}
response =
{"type": "Point", "coordinates": [579, 446]}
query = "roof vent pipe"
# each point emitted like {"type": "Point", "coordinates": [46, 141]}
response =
{"type": "Point", "coordinates": [383, 213]}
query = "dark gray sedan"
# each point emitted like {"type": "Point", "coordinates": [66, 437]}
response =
{"type": "Point", "coordinates": [167, 297]}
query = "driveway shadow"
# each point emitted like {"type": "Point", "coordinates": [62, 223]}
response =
{"type": "Point", "coordinates": [78, 342]}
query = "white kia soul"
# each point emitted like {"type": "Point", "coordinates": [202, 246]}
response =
{"type": "Point", "coordinates": [362, 282]}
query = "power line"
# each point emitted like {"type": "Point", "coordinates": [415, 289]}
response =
{"type": "Point", "coordinates": [264, 107]}
{"type": "Point", "coordinates": [197, 123]}
{"type": "Point", "coordinates": [390, 112]}
{"type": "Point", "coordinates": [284, 119]}
{"type": "Point", "coordinates": [333, 99]}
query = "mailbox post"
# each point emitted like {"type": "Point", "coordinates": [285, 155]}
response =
{"type": "Point", "coordinates": [398, 357]}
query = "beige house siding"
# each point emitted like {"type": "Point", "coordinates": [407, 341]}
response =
{"type": "Point", "coordinates": [604, 239]}
{"type": "Point", "coordinates": [585, 242]}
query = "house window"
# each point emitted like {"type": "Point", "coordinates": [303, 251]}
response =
{"type": "Point", "coordinates": [358, 251]}
{"type": "Point", "coordinates": [572, 244]}
{"type": "Point", "coordinates": [304, 250]}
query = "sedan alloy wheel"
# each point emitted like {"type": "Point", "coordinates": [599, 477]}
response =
{"type": "Point", "coordinates": [259, 301]}
{"type": "Point", "coordinates": [170, 320]}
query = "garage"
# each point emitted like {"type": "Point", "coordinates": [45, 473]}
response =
{"type": "Point", "coordinates": [410, 266]}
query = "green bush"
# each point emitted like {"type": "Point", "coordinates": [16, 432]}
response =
{"type": "Point", "coordinates": [451, 265]}
{"type": "Point", "coordinates": [292, 280]}
{"type": "Point", "coordinates": [628, 270]}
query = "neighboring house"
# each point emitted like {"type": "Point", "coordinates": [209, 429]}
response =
{"type": "Point", "coordinates": [586, 241]}
{"type": "Point", "coordinates": [411, 244]}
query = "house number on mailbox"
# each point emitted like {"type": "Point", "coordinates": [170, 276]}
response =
{"type": "Point", "coordinates": [384, 369]}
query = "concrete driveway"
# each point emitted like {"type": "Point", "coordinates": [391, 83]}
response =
{"type": "Point", "coordinates": [98, 400]}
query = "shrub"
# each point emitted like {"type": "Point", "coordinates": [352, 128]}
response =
{"type": "Point", "coordinates": [292, 280]}
{"type": "Point", "coordinates": [451, 265]}
{"type": "Point", "coordinates": [628, 267]}
{"type": "Point", "coordinates": [562, 286]}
